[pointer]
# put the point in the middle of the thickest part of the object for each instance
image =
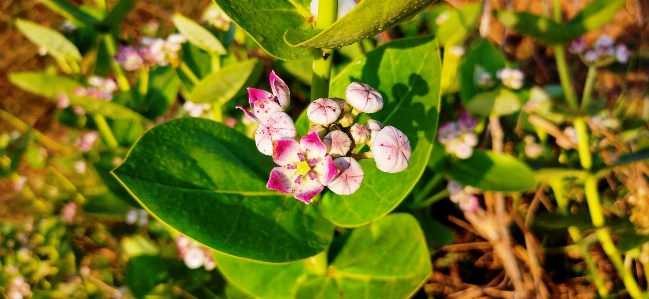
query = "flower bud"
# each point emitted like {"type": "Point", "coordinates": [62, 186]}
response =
{"type": "Point", "coordinates": [323, 112]}
{"type": "Point", "coordinates": [194, 258]}
{"type": "Point", "coordinates": [344, 107]}
{"type": "Point", "coordinates": [346, 121]}
{"type": "Point", "coordinates": [320, 130]}
{"type": "Point", "coordinates": [360, 134]}
{"type": "Point", "coordinates": [364, 98]}
{"type": "Point", "coordinates": [337, 143]}
{"type": "Point", "coordinates": [391, 150]}
{"type": "Point", "coordinates": [622, 53]}
{"type": "Point", "coordinates": [350, 177]}
{"type": "Point", "coordinates": [374, 127]}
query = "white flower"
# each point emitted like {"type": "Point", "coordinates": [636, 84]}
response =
{"type": "Point", "coordinates": [442, 18]}
{"type": "Point", "coordinates": [622, 53]}
{"type": "Point", "coordinates": [194, 258]}
{"type": "Point", "coordinates": [511, 78]}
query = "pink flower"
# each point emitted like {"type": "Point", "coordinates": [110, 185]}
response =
{"type": "Point", "coordinates": [323, 111]}
{"type": "Point", "coordinates": [359, 133]}
{"type": "Point", "coordinates": [622, 53]}
{"type": "Point", "coordinates": [391, 150]}
{"type": "Point", "coordinates": [264, 104]}
{"type": "Point", "coordinates": [68, 212]}
{"type": "Point", "coordinates": [62, 101]}
{"type": "Point", "coordinates": [466, 122]}
{"type": "Point", "coordinates": [577, 46]}
{"type": "Point", "coordinates": [364, 98]}
{"type": "Point", "coordinates": [304, 167]}
{"type": "Point", "coordinates": [448, 132]}
{"type": "Point", "coordinates": [350, 178]}
{"type": "Point", "coordinates": [276, 127]}
{"type": "Point", "coordinates": [337, 143]}
{"type": "Point", "coordinates": [129, 58]}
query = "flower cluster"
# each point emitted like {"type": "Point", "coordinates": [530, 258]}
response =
{"type": "Point", "coordinates": [196, 109]}
{"type": "Point", "coordinates": [532, 149]}
{"type": "Point", "coordinates": [215, 17]}
{"type": "Point", "coordinates": [18, 289]}
{"type": "Point", "coordinates": [139, 216]}
{"type": "Point", "coordinates": [194, 254]}
{"type": "Point", "coordinates": [327, 155]}
{"type": "Point", "coordinates": [604, 51]}
{"type": "Point", "coordinates": [458, 137]}
{"type": "Point", "coordinates": [151, 52]}
{"type": "Point", "coordinates": [100, 88]}
{"type": "Point", "coordinates": [463, 196]}
{"type": "Point", "coordinates": [510, 78]}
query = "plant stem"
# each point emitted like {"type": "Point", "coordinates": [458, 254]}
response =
{"type": "Point", "coordinates": [216, 62]}
{"type": "Point", "coordinates": [40, 137]}
{"type": "Point", "coordinates": [431, 200]}
{"type": "Point", "coordinates": [323, 59]}
{"type": "Point", "coordinates": [111, 48]}
{"type": "Point", "coordinates": [564, 76]}
{"type": "Point", "coordinates": [143, 83]}
{"type": "Point", "coordinates": [189, 73]}
{"type": "Point", "coordinates": [586, 99]}
{"type": "Point", "coordinates": [105, 131]}
{"type": "Point", "coordinates": [582, 143]}
{"type": "Point", "coordinates": [430, 185]}
{"type": "Point", "coordinates": [556, 8]}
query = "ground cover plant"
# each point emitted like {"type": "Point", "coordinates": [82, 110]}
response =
{"type": "Point", "coordinates": [327, 149]}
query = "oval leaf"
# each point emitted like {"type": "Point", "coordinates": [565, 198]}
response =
{"type": "Point", "coordinates": [540, 28]}
{"type": "Point", "coordinates": [55, 43]}
{"type": "Point", "coordinates": [593, 16]}
{"type": "Point", "coordinates": [366, 19]}
{"type": "Point", "coordinates": [222, 86]}
{"type": "Point", "coordinates": [208, 181]}
{"type": "Point", "coordinates": [501, 101]}
{"type": "Point", "coordinates": [267, 20]}
{"type": "Point", "coordinates": [407, 73]}
{"type": "Point", "coordinates": [489, 171]}
{"type": "Point", "coordinates": [198, 35]}
{"type": "Point", "coordinates": [49, 86]}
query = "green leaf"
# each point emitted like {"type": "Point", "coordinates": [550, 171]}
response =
{"type": "Point", "coordinates": [499, 102]}
{"type": "Point", "coordinates": [116, 15]}
{"type": "Point", "coordinates": [220, 87]}
{"type": "Point", "coordinates": [233, 292]}
{"type": "Point", "coordinates": [593, 16]}
{"type": "Point", "coordinates": [143, 273]}
{"type": "Point", "coordinates": [385, 259]}
{"type": "Point", "coordinates": [459, 24]}
{"type": "Point", "coordinates": [107, 205]}
{"type": "Point", "coordinates": [162, 93]}
{"type": "Point", "coordinates": [105, 108]}
{"type": "Point", "coordinates": [70, 12]}
{"type": "Point", "coordinates": [138, 245]}
{"type": "Point", "coordinates": [540, 28]}
{"type": "Point", "coordinates": [198, 35]}
{"type": "Point", "coordinates": [208, 181]}
{"type": "Point", "coordinates": [56, 44]}
{"type": "Point", "coordinates": [407, 73]}
{"type": "Point", "coordinates": [489, 171]}
{"type": "Point", "coordinates": [267, 20]}
{"type": "Point", "coordinates": [368, 18]}
{"type": "Point", "coordinates": [485, 56]}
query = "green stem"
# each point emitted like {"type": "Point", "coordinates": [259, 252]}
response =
{"type": "Point", "coordinates": [556, 7]}
{"type": "Point", "coordinates": [564, 76]}
{"type": "Point", "coordinates": [583, 149]}
{"type": "Point", "coordinates": [575, 234]}
{"type": "Point", "coordinates": [432, 199]}
{"type": "Point", "coordinates": [216, 62]}
{"type": "Point", "coordinates": [587, 98]}
{"type": "Point", "coordinates": [323, 59]}
{"type": "Point", "coordinates": [101, 4]}
{"type": "Point", "coordinates": [189, 73]}
{"type": "Point", "coordinates": [143, 83]}
{"type": "Point", "coordinates": [430, 185]}
{"type": "Point", "coordinates": [111, 48]}
{"type": "Point", "coordinates": [217, 111]}
{"type": "Point", "coordinates": [106, 133]}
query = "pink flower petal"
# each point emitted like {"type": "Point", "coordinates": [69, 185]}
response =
{"type": "Point", "coordinates": [282, 179]}
{"type": "Point", "coordinates": [338, 143]}
{"type": "Point", "coordinates": [364, 98]}
{"type": "Point", "coordinates": [308, 189]}
{"type": "Point", "coordinates": [255, 95]}
{"type": "Point", "coordinates": [280, 90]}
{"type": "Point", "coordinates": [286, 152]}
{"type": "Point", "coordinates": [323, 112]}
{"type": "Point", "coordinates": [326, 170]}
{"type": "Point", "coordinates": [359, 133]}
{"type": "Point", "coordinates": [391, 150]}
{"type": "Point", "coordinates": [277, 127]}
{"type": "Point", "coordinates": [248, 113]}
{"type": "Point", "coordinates": [350, 178]}
{"type": "Point", "coordinates": [312, 146]}
{"type": "Point", "coordinates": [265, 108]}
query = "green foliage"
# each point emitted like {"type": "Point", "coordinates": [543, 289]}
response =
{"type": "Point", "coordinates": [484, 55]}
{"type": "Point", "coordinates": [491, 171]}
{"type": "Point", "coordinates": [70, 12]}
{"type": "Point", "coordinates": [143, 273]}
{"type": "Point", "coordinates": [497, 102]}
{"type": "Point", "coordinates": [54, 42]}
{"type": "Point", "coordinates": [407, 73]}
{"type": "Point", "coordinates": [223, 85]}
{"type": "Point", "coordinates": [209, 182]}
{"type": "Point", "coordinates": [116, 15]}
{"type": "Point", "coordinates": [459, 24]}
{"type": "Point", "coordinates": [198, 35]}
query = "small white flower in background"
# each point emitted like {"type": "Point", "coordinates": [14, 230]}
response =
{"type": "Point", "coordinates": [80, 167]}
{"type": "Point", "coordinates": [87, 141]}
{"type": "Point", "coordinates": [18, 288]}
{"type": "Point", "coordinates": [68, 212]}
{"type": "Point", "coordinates": [214, 16]}
{"type": "Point", "coordinates": [117, 161]}
{"type": "Point", "coordinates": [67, 27]}
{"type": "Point", "coordinates": [196, 109]}
{"type": "Point", "coordinates": [604, 45]}
{"type": "Point", "coordinates": [193, 254]}
{"type": "Point", "coordinates": [571, 134]}
{"type": "Point", "coordinates": [141, 217]}
{"type": "Point", "coordinates": [457, 50]}
{"type": "Point", "coordinates": [129, 57]}
{"type": "Point", "coordinates": [603, 122]}
{"type": "Point", "coordinates": [483, 79]}
{"type": "Point", "coordinates": [106, 86]}
{"type": "Point", "coordinates": [42, 51]}
{"type": "Point", "coordinates": [591, 56]}
{"type": "Point", "coordinates": [577, 46]}
{"type": "Point", "coordinates": [62, 101]}
{"type": "Point", "coordinates": [442, 18]}
{"type": "Point", "coordinates": [78, 110]}
{"type": "Point", "coordinates": [194, 258]}
{"type": "Point", "coordinates": [458, 137]}
{"type": "Point", "coordinates": [463, 196]}
{"type": "Point", "coordinates": [19, 183]}
{"type": "Point", "coordinates": [344, 7]}
{"type": "Point", "coordinates": [622, 53]}
{"type": "Point", "coordinates": [532, 149]}
{"type": "Point", "coordinates": [605, 51]}
{"type": "Point", "coordinates": [511, 78]}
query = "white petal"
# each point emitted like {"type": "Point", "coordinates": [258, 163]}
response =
{"type": "Point", "coordinates": [350, 177]}
{"type": "Point", "coordinates": [391, 150]}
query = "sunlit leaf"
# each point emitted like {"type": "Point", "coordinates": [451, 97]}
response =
{"type": "Point", "coordinates": [55, 43]}
{"type": "Point", "coordinates": [198, 35]}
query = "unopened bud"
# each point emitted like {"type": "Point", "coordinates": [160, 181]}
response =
{"type": "Point", "coordinates": [346, 121]}
{"type": "Point", "coordinates": [374, 127]}
{"type": "Point", "coordinates": [360, 134]}
{"type": "Point", "coordinates": [337, 143]}
{"type": "Point", "coordinates": [364, 98]}
{"type": "Point", "coordinates": [318, 129]}
{"type": "Point", "coordinates": [323, 112]}
{"type": "Point", "coordinates": [391, 150]}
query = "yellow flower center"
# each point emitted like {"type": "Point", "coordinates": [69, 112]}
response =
{"type": "Point", "coordinates": [303, 168]}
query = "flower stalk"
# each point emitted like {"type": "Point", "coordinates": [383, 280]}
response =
{"type": "Point", "coordinates": [323, 59]}
{"type": "Point", "coordinates": [122, 81]}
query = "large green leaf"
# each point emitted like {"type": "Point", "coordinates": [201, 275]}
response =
{"type": "Point", "coordinates": [485, 56]}
{"type": "Point", "coordinates": [208, 181]}
{"type": "Point", "coordinates": [593, 16]}
{"type": "Point", "coordinates": [459, 24]}
{"type": "Point", "coordinates": [267, 20]}
{"type": "Point", "coordinates": [222, 86]}
{"type": "Point", "coordinates": [55, 43]}
{"type": "Point", "coordinates": [198, 35]}
{"type": "Point", "coordinates": [385, 259]}
{"type": "Point", "coordinates": [407, 73]}
{"type": "Point", "coordinates": [367, 19]}
{"type": "Point", "coordinates": [491, 171]}
{"type": "Point", "coordinates": [500, 101]}
{"type": "Point", "coordinates": [540, 28]}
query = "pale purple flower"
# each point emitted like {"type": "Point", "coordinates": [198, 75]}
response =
{"type": "Point", "coordinates": [87, 141]}
{"type": "Point", "coordinates": [129, 57]}
{"type": "Point", "coordinates": [460, 149]}
{"type": "Point", "coordinates": [105, 86]}
{"type": "Point", "coordinates": [577, 46]}
{"type": "Point", "coordinates": [463, 196]}
{"type": "Point", "coordinates": [350, 177]}
{"type": "Point", "coordinates": [448, 132]}
{"type": "Point", "coordinates": [68, 212]}
{"type": "Point", "coordinates": [364, 98]}
{"type": "Point", "coordinates": [466, 122]}
{"type": "Point", "coordinates": [604, 45]}
{"type": "Point", "coordinates": [338, 143]}
{"type": "Point", "coordinates": [278, 126]}
{"type": "Point", "coordinates": [196, 109]}
{"type": "Point", "coordinates": [153, 51]}
{"type": "Point", "coordinates": [131, 216]}
{"type": "Point", "coordinates": [622, 53]}
{"type": "Point", "coordinates": [304, 167]}
{"type": "Point", "coordinates": [511, 78]}
{"type": "Point", "coordinates": [143, 217]}
{"type": "Point", "coordinates": [264, 104]}
{"type": "Point", "coordinates": [360, 134]}
{"type": "Point", "coordinates": [323, 111]}
{"type": "Point", "coordinates": [591, 56]}
{"type": "Point", "coordinates": [391, 150]}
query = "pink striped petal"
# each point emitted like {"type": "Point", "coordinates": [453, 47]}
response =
{"type": "Point", "coordinates": [280, 90]}
{"type": "Point", "coordinates": [277, 127]}
{"type": "Point", "coordinates": [350, 177]}
{"type": "Point", "coordinates": [323, 112]}
{"type": "Point", "coordinates": [248, 113]}
{"type": "Point", "coordinates": [308, 189]}
{"type": "Point", "coordinates": [286, 152]}
{"type": "Point", "coordinates": [338, 143]}
{"type": "Point", "coordinates": [326, 170]}
{"type": "Point", "coordinates": [312, 146]}
{"type": "Point", "coordinates": [364, 98]}
{"type": "Point", "coordinates": [391, 150]}
{"type": "Point", "coordinates": [265, 108]}
{"type": "Point", "coordinates": [282, 179]}
{"type": "Point", "coordinates": [255, 95]}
